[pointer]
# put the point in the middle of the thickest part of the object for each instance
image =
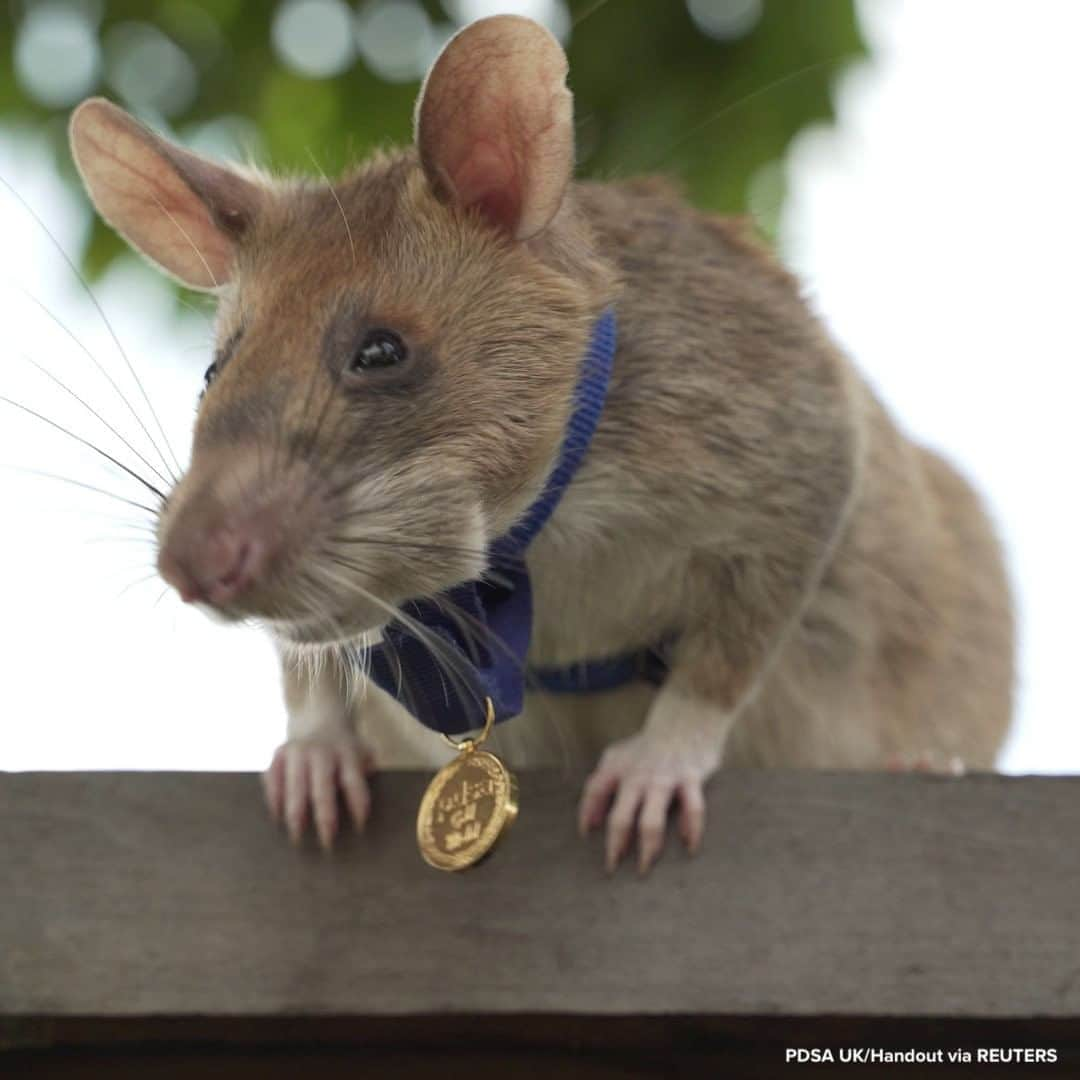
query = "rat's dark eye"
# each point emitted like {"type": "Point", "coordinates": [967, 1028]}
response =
{"type": "Point", "coordinates": [379, 349]}
{"type": "Point", "coordinates": [221, 358]}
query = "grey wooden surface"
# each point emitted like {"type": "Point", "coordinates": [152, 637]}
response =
{"type": "Point", "coordinates": [170, 894]}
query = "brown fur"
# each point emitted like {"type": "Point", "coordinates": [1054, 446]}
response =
{"type": "Point", "coordinates": [837, 594]}
{"type": "Point", "coordinates": [851, 575]}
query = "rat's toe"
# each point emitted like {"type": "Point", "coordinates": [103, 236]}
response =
{"type": "Point", "coordinates": [296, 794]}
{"type": "Point", "coordinates": [652, 823]}
{"type": "Point", "coordinates": [273, 780]}
{"type": "Point", "coordinates": [595, 799]}
{"type": "Point", "coordinates": [620, 824]}
{"type": "Point", "coordinates": [324, 795]}
{"type": "Point", "coordinates": [691, 814]}
{"type": "Point", "coordinates": [354, 787]}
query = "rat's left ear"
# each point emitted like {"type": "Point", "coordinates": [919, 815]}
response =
{"type": "Point", "coordinates": [495, 126]}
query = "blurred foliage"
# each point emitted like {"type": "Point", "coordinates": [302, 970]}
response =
{"type": "Point", "coordinates": [653, 90]}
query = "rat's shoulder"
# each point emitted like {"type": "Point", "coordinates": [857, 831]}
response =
{"type": "Point", "coordinates": [653, 202]}
{"type": "Point", "coordinates": [661, 243]}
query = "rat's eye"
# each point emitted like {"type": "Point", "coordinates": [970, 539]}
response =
{"type": "Point", "coordinates": [221, 358]}
{"type": "Point", "coordinates": [379, 349]}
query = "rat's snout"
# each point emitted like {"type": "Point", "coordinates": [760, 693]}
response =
{"type": "Point", "coordinates": [217, 568]}
{"type": "Point", "coordinates": [227, 530]}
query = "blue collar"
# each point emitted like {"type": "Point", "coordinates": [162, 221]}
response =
{"type": "Point", "coordinates": [478, 632]}
{"type": "Point", "coordinates": [589, 397]}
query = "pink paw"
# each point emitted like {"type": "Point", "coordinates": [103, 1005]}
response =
{"type": "Point", "coordinates": [305, 778]}
{"type": "Point", "coordinates": [635, 784]}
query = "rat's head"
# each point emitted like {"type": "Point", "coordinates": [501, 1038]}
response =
{"type": "Point", "coordinates": [396, 352]}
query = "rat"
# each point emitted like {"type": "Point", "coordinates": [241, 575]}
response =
{"type": "Point", "coordinates": [396, 362]}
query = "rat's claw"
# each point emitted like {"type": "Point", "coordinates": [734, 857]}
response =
{"type": "Point", "coordinates": [620, 824]}
{"type": "Point", "coordinates": [645, 777]}
{"type": "Point", "coordinates": [928, 762]}
{"type": "Point", "coordinates": [652, 821]}
{"type": "Point", "coordinates": [691, 814]}
{"type": "Point", "coordinates": [324, 794]}
{"type": "Point", "coordinates": [274, 785]}
{"type": "Point", "coordinates": [595, 799]}
{"type": "Point", "coordinates": [305, 777]}
{"type": "Point", "coordinates": [296, 793]}
{"type": "Point", "coordinates": [354, 786]}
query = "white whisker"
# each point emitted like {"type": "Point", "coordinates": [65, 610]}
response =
{"type": "Point", "coordinates": [184, 233]}
{"type": "Point", "coordinates": [344, 218]}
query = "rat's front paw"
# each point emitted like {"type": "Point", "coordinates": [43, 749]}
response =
{"type": "Point", "coordinates": [304, 780]}
{"type": "Point", "coordinates": [635, 784]}
{"type": "Point", "coordinates": [929, 761]}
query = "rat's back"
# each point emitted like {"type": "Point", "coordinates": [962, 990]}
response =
{"type": "Point", "coordinates": [903, 652]}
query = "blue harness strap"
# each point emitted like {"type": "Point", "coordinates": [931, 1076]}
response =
{"type": "Point", "coordinates": [477, 635]}
{"type": "Point", "coordinates": [595, 676]}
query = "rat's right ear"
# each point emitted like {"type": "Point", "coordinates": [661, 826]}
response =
{"type": "Point", "coordinates": [495, 124]}
{"type": "Point", "coordinates": [180, 210]}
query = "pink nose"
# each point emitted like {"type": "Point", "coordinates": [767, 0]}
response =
{"type": "Point", "coordinates": [218, 569]}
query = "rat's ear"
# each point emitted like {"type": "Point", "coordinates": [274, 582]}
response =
{"type": "Point", "coordinates": [180, 210]}
{"type": "Point", "coordinates": [495, 126]}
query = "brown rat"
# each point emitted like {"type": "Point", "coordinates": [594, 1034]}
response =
{"type": "Point", "coordinates": [396, 366]}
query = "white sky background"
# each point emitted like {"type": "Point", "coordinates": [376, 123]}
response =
{"type": "Point", "coordinates": [937, 229]}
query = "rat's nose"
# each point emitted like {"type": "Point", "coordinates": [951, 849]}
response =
{"type": "Point", "coordinates": [217, 568]}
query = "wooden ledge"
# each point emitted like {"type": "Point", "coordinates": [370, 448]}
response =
{"type": "Point", "coordinates": [164, 906]}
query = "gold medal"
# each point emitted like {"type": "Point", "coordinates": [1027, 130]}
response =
{"type": "Point", "coordinates": [468, 805]}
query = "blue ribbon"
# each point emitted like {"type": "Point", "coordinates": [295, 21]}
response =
{"type": "Point", "coordinates": [482, 628]}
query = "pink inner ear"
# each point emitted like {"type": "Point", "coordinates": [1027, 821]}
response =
{"type": "Point", "coordinates": [180, 210]}
{"type": "Point", "coordinates": [488, 180]}
{"type": "Point", "coordinates": [494, 123]}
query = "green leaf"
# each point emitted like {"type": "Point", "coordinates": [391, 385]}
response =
{"type": "Point", "coordinates": [653, 93]}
